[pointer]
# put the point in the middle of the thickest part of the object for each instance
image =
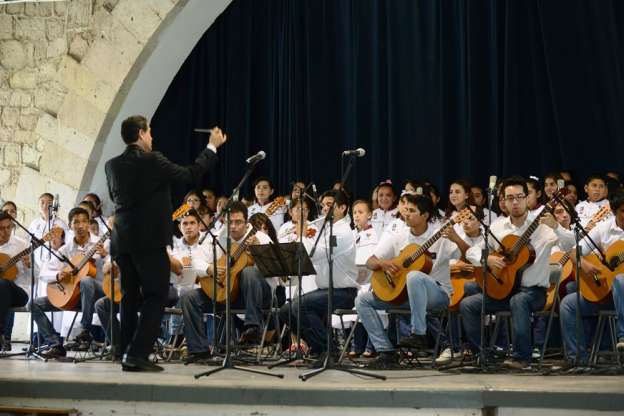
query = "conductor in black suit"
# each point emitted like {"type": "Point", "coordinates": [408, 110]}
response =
{"type": "Point", "coordinates": [139, 185]}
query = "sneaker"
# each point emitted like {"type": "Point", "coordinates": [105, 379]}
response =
{"type": "Point", "coordinates": [250, 336]}
{"type": "Point", "coordinates": [385, 361]}
{"type": "Point", "coordinates": [536, 354]}
{"type": "Point", "coordinates": [445, 356]}
{"type": "Point", "coordinates": [514, 364]}
{"type": "Point", "coordinates": [198, 357]}
{"type": "Point", "coordinates": [414, 341]}
{"type": "Point", "coordinates": [55, 352]}
{"type": "Point", "coordinates": [620, 345]}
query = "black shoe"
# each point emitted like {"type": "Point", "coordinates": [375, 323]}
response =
{"type": "Point", "coordinates": [250, 336]}
{"type": "Point", "coordinates": [130, 363]}
{"type": "Point", "coordinates": [84, 337]}
{"type": "Point", "coordinates": [198, 357]}
{"type": "Point", "coordinates": [385, 361]}
{"type": "Point", "coordinates": [57, 351]}
{"type": "Point", "coordinates": [320, 361]}
{"type": "Point", "coordinates": [414, 341]}
{"type": "Point", "coordinates": [5, 345]}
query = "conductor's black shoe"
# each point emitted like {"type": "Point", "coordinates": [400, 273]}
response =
{"type": "Point", "coordinates": [385, 361]}
{"type": "Point", "coordinates": [198, 357]}
{"type": "Point", "coordinates": [414, 341]}
{"type": "Point", "coordinates": [130, 363]}
{"type": "Point", "coordinates": [251, 336]}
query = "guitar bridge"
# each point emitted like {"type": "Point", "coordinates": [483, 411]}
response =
{"type": "Point", "coordinates": [389, 279]}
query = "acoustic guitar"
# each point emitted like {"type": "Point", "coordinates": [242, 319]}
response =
{"type": "Point", "coordinates": [65, 294]}
{"type": "Point", "coordinates": [458, 280]}
{"type": "Point", "coordinates": [8, 264]}
{"type": "Point", "coordinates": [106, 283]}
{"type": "Point", "coordinates": [238, 261]}
{"type": "Point", "coordinates": [563, 260]}
{"type": "Point", "coordinates": [597, 287]}
{"type": "Point", "coordinates": [518, 254]}
{"type": "Point", "coordinates": [391, 287]}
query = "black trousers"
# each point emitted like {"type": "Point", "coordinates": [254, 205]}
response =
{"type": "Point", "coordinates": [11, 296]}
{"type": "Point", "coordinates": [144, 285]}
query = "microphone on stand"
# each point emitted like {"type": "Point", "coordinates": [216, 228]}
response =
{"type": "Point", "coordinates": [359, 152]}
{"type": "Point", "coordinates": [257, 157]}
{"type": "Point", "coordinates": [55, 204]}
{"type": "Point", "coordinates": [491, 188]}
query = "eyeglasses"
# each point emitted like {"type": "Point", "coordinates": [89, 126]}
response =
{"type": "Point", "coordinates": [237, 222]}
{"type": "Point", "coordinates": [511, 198]}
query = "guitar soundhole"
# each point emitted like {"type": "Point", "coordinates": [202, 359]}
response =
{"type": "Point", "coordinates": [406, 264]}
{"type": "Point", "coordinates": [614, 262]}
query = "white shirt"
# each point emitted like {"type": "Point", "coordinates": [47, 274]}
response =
{"type": "Point", "coordinates": [287, 233]}
{"type": "Point", "coordinates": [365, 243]}
{"type": "Point", "coordinates": [604, 234]}
{"type": "Point", "coordinates": [486, 216]}
{"type": "Point", "coordinates": [345, 272]}
{"type": "Point", "coordinates": [12, 248]}
{"type": "Point", "coordinates": [441, 252]}
{"type": "Point", "coordinates": [39, 227]}
{"type": "Point", "coordinates": [587, 209]}
{"type": "Point", "coordinates": [51, 268]}
{"type": "Point", "coordinates": [277, 218]}
{"type": "Point", "coordinates": [542, 240]}
{"type": "Point", "coordinates": [381, 219]}
{"type": "Point", "coordinates": [200, 257]}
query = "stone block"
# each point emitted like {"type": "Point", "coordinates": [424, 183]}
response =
{"type": "Point", "coordinates": [46, 9]}
{"type": "Point", "coordinates": [29, 50]}
{"type": "Point", "coordinates": [31, 28]}
{"type": "Point", "coordinates": [75, 142]}
{"type": "Point", "coordinates": [28, 118]}
{"type": "Point", "coordinates": [40, 52]}
{"type": "Point", "coordinates": [78, 113]}
{"type": "Point", "coordinates": [140, 20]}
{"type": "Point", "coordinates": [49, 97]}
{"type": "Point", "coordinates": [56, 47]}
{"type": "Point", "coordinates": [55, 28]}
{"type": "Point", "coordinates": [66, 167]}
{"type": "Point", "coordinates": [79, 14]}
{"type": "Point", "coordinates": [47, 127]}
{"type": "Point", "coordinates": [107, 63]}
{"type": "Point", "coordinates": [25, 136]}
{"type": "Point", "coordinates": [6, 135]}
{"type": "Point", "coordinates": [25, 79]}
{"type": "Point", "coordinates": [46, 72]}
{"type": "Point", "coordinates": [125, 41]}
{"type": "Point", "coordinates": [30, 9]}
{"type": "Point", "coordinates": [60, 8]}
{"type": "Point", "coordinates": [30, 157]}
{"type": "Point", "coordinates": [6, 27]}
{"type": "Point", "coordinates": [12, 55]}
{"type": "Point", "coordinates": [20, 99]}
{"type": "Point", "coordinates": [84, 83]}
{"type": "Point", "coordinates": [4, 75]}
{"type": "Point", "coordinates": [5, 176]}
{"type": "Point", "coordinates": [10, 116]}
{"type": "Point", "coordinates": [78, 48]}
{"type": "Point", "coordinates": [11, 155]}
{"type": "Point", "coordinates": [161, 7]}
{"type": "Point", "coordinates": [15, 8]}
{"type": "Point", "coordinates": [5, 96]}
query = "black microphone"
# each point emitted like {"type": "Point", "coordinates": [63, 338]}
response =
{"type": "Point", "coordinates": [55, 203]}
{"type": "Point", "coordinates": [202, 130]}
{"type": "Point", "coordinates": [257, 157]}
{"type": "Point", "coordinates": [359, 152]}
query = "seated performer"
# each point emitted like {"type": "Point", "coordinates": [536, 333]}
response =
{"type": "Point", "coordinates": [530, 295]}
{"type": "Point", "coordinates": [46, 221]}
{"type": "Point", "coordinates": [255, 292]}
{"type": "Point", "coordinates": [314, 303]}
{"type": "Point", "coordinates": [386, 211]}
{"type": "Point", "coordinates": [90, 288]}
{"type": "Point", "coordinates": [596, 190]}
{"type": "Point", "coordinates": [13, 293]}
{"type": "Point", "coordinates": [424, 292]}
{"type": "Point", "coordinates": [604, 235]}
{"type": "Point", "coordinates": [265, 193]}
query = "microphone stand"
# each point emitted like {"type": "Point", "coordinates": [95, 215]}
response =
{"type": "Point", "coordinates": [329, 363]}
{"type": "Point", "coordinates": [485, 253]}
{"type": "Point", "coordinates": [298, 352]}
{"type": "Point", "coordinates": [227, 360]}
{"type": "Point", "coordinates": [34, 241]}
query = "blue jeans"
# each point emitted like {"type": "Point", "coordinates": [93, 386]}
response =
{"type": "Point", "coordinates": [90, 291]}
{"type": "Point", "coordinates": [254, 295]}
{"type": "Point", "coordinates": [314, 314]}
{"type": "Point", "coordinates": [521, 304]}
{"type": "Point", "coordinates": [567, 312]}
{"type": "Point", "coordinates": [424, 294]}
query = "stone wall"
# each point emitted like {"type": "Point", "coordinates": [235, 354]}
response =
{"type": "Point", "coordinates": [62, 69]}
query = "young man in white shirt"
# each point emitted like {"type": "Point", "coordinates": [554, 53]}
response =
{"type": "Point", "coordinates": [604, 235]}
{"type": "Point", "coordinates": [530, 296]}
{"type": "Point", "coordinates": [596, 190]}
{"type": "Point", "coordinates": [314, 304]}
{"type": "Point", "coordinates": [255, 292]}
{"type": "Point", "coordinates": [425, 292]}
{"type": "Point", "coordinates": [90, 288]}
{"type": "Point", "coordinates": [12, 293]}
{"type": "Point", "coordinates": [43, 224]}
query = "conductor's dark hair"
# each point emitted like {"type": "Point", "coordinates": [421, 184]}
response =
{"type": "Point", "coordinates": [130, 128]}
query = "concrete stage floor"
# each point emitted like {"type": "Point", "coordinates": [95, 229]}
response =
{"type": "Point", "coordinates": [21, 380]}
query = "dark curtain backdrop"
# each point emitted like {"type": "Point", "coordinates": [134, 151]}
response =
{"type": "Point", "coordinates": [436, 89]}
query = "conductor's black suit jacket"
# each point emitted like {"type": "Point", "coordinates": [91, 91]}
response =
{"type": "Point", "coordinates": [139, 183]}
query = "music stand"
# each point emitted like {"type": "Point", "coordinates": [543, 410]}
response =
{"type": "Point", "coordinates": [281, 259]}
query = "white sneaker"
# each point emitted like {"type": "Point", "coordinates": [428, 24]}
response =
{"type": "Point", "coordinates": [445, 356]}
{"type": "Point", "coordinates": [620, 345]}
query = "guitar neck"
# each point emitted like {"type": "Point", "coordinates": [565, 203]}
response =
{"type": "Point", "coordinates": [241, 248]}
{"type": "Point", "coordinates": [526, 235]}
{"type": "Point", "coordinates": [92, 251]}
{"type": "Point", "coordinates": [13, 261]}
{"type": "Point", "coordinates": [431, 241]}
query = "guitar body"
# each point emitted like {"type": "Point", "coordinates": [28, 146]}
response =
{"type": "Point", "coordinates": [65, 295]}
{"type": "Point", "coordinates": [206, 282]}
{"type": "Point", "coordinates": [391, 288]}
{"type": "Point", "coordinates": [598, 288]}
{"type": "Point", "coordinates": [106, 282]}
{"type": "Point", "coordinates": [567, 274]}
{"type": "Point", "coordinates": [506, 278]}
{"type": "Point", "coordinates": [458, 280]}
{"type": "Point", "coordinates": [11, 272]}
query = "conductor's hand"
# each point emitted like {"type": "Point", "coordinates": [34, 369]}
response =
{"type": "Point", "coordinates": [217, 138]}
